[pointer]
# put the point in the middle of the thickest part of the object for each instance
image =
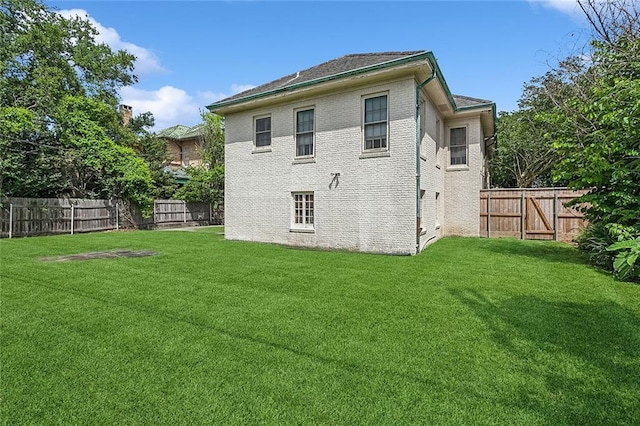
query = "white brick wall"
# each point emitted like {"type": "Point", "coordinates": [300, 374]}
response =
{"type": "Point", "coordinates": [431, 174]}
{"type": "Point", "coordinates": [372, 208]}
{"type": "Point", "coordinates": [462, 184]}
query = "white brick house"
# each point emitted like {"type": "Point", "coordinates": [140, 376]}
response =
{"type": "Point", "coordinates": [339, 156]}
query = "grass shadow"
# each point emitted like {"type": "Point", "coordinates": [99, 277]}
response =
{"type": "Point", "coordinates": [549, 251]}
{"type": "Point", "coordinates": [587, 355]}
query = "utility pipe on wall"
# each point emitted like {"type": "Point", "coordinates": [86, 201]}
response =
{"type": "Point", "coordinates": [418, 145]}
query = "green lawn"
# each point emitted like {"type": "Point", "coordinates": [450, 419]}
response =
{"type": "Point", "coordinates": [472, 331]}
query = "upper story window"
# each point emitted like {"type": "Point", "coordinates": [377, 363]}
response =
{"type": "Point", "coordinates": [262, 126]}
{"type": "Point", "coordinates": [304, 133]}
{"type": "Point", "coordinates": [376, 120]}
{"type": "Point", "coordinates": [458, 146]}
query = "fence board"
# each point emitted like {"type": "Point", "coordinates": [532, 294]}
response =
{"type": "Point", "coordinates": [530, 213]}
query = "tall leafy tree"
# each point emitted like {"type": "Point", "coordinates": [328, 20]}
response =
{"type": "Point", "coordinates": [45, 57]}
{"type": "Point", "coordinates": [595, 127]}
{"type": "Point", "coordinates": [59, 129]}
{"type": "Point", "coordinates": [93, 165]}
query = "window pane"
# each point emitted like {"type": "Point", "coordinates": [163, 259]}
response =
{"type": "Point", "coordinates": [375, 109]}
{"type": "Point", "coordinates": [458, 155]}
{"type": "Point", "coordinates": [459, 136]}
{"type": "Point", "coordinates": [458, 146]}
{"type": "Point", "coordinates": [263, 139]}
{"type": "Point", "coordinates": [263, 131]}
{"type": "Point", "coordinates": [304, 144]}
{"type": "Point", "coordinates": [263, 124]}
{"type": "Point", "coordinates": [304, 121]}
{"type": "Point", "coordinates": [375, 130]}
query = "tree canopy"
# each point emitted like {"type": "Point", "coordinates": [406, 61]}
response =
{"type": "Point", "coordinates": [60, 132]}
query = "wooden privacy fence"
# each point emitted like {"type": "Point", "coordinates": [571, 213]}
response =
{"type": "Point", "coordinates": [41, 216]}
{"type": "Point", "coordinates": [532, 214]}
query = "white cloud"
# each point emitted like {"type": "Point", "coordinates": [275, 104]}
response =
{"type": "Point", "coordinates": [568, 7]}
{"type": "Point", "coordinates": [146, 61]}
{"type": "Point", "coordinates": [171, 105]}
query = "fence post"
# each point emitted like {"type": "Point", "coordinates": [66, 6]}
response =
{"type": "Point", "coordinates": [555, 215]}
{"type": "Point", "coordinates": [523, 210]}
{"type": "Point", "coordinates": [210, 214]}
{"type": "Point", "coordinates": [489, 214]}
{"type": "Point", "coordinates": [117, 216]}
{"type": "Point", "coordinates": [184, 211]}
{"type": "Point", "coordinates": [10, 220]}
{"type": "Point", "coordinates": [72, 213]}
{"type": "Point", "coordinates": [154, 211]}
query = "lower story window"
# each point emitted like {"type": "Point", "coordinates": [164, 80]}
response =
{"type": "Point", "coordinates": [303, 209]}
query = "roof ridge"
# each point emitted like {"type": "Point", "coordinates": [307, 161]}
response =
{"type": "Point", "coordinates": [399, 52]}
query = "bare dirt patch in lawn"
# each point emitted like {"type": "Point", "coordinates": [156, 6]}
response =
{"type": "Point", "coordinates": [101, 255]}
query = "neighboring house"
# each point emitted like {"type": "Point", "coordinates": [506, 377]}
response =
{"type": "Point", "coordinates": [185, 144]}
{"type": "Point", "coordinates": [367, 152]}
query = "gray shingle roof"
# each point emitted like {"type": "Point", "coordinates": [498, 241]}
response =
{"type": "Point", "coordinates": [466, 101]}
{"type": "Point", "coordinates": [344, 66]}
{"type": "Point", "coordinates": [335, 66]}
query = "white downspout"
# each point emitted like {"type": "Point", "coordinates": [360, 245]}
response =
{"type": "Point", "coordinates": [418, 145]}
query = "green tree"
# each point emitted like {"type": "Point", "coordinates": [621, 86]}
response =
{"type": "Point", "coordinates": [94, 166]}
{"type": "Point", "coordinates": [524, 157]}
{"type": "Point", "coordinates": [204, 185]}
{"type": "Point", "coordinates": [28, 155]}
{"type": "Point", "coordinates": [213, 139]}
{"type": "Point", "coordinates": [45, 57]}
{"type": "Point", "coordinates": [59, 127]}
{"type": "Point", "coordinates": [153, 150]}
{"type": "Point", "coordinates": [206, 182]}
{"type": "Point", "coordinates": [595, 127]}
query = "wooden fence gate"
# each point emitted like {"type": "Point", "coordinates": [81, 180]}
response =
{"type": "Point", "coordinates": [532, 214]}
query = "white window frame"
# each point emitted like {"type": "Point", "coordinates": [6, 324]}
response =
{"type": "Point", "coordinates": [303, 211]}
{"type": "Point", "coordinates": [464, 165]}
{"type": "Point", "coordinates": [313, 132]}
{"type": "Point", "coordinates": [255, 133]}
{"type": "Point", "coordinates": [364, 123]}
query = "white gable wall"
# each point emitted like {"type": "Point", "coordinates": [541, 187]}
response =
{"type": "Point", "coordinates": [373, 206]}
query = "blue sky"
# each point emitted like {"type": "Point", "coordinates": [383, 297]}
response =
{"type": "Point", "coordinates": [193, 53]}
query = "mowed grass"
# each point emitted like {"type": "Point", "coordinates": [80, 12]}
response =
{"type": "Point", "coordinates": [471, 331]}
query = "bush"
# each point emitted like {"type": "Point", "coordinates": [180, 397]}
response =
{"type": "Point", "coordinates": [612, 247]}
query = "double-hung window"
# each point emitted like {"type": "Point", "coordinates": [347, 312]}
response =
{"type": "Point", "coordinates": [458, 146]}
{"type": "Point", "coordinates": [303, 210]}
{"type": "Point", "coordinates": [262, 127]}
{"type": "Point", "coordinates": [375, 122]}
{"type": "Point", "coordinates": [304, 133]}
